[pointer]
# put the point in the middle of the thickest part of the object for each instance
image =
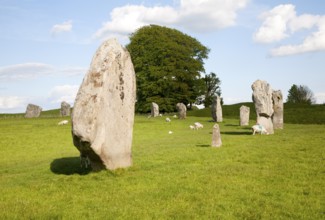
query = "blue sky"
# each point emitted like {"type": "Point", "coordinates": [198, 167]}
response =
{"type": "Point", "coordinates": [46, 46]}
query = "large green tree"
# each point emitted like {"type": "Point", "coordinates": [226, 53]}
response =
{"type": "Point", "coordinates": [212, 88]}
{"type": "Point", "coordinates": [168, 65]}
{"type": "Point", "coordinates": [300, 94]}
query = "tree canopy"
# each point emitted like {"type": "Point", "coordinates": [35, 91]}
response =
{"type": "Point", "coordinates": [300, 94]}
{"type": "Point", "coordinates": [168, 64]}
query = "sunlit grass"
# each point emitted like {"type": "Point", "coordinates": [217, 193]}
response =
{"type": "Point", "coordinates": [174, 176]}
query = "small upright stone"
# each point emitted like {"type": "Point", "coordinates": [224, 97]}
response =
{"type": "Point", "coordinates": [216, 109]}
{"type": "Point", "coordinates": [65, 109]}
{"type": "Point", "coordinates": [244, 115]}
{"type": "Point", "coordinates": [154, 110]}
{"type": "Point", "coordinates": [277, 117]}
{"type": "Point", "coordinates": [181, 108]}
{"type": "Point", "coordinates": [262, 98]}
{"type": "Point", "coordinates": [103, 113]}
{"type": "Point", "coordinates": [216, 137]}
{"type": "Point", "coordinates": [33, 111]}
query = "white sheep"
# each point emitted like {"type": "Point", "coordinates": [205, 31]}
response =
{"type": "Point", "coordinates": [168, 120]}
{"type": "Point", "coordinates": [160, 115]}
{"type": "Point", "coordinates": [64, 122]}
{"type": "Point", "coordinates": [192, 127]}
{"type": "Point", "coordinates": [259, 129]}
{"type": "Point", "coordinates": [175, 116]}
{"type": "Point", "coordinates": [170, 132]}
{"type": "Point", "coordinates": [198, 125]}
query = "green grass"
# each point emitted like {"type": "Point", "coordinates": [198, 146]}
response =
{"type": "Point", "coordinates": [293, 113]}
{"type": "Point", "coordinates": [174, 176]}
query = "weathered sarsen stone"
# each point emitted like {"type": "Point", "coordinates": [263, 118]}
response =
{"type": "Point", "coordinates": [262, 98]}
{"type": "Point", "coordinates": [103, 114]}
{"type": "Point", "coordinates": [65, 109]}
{"type": "Point", "coordinates": [216, 109]}
{"type": "Point", "coordinates": [216, 137]}
{"type": "Point", "coordinates": [277, 117]}
{"type": "Point", "coordinates": [154, 110]}
{"type": "Point", "coordinates": [33, 111]}
{"type": "Point", "coordinates": [244, 115]}
{"type": "Point", "coordinates": [181, 108]}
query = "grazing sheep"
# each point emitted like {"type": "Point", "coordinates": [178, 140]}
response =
{"type": "Point", "coordinates": [168, 120]}
{"type": "Point", "coordinates": [64, 122]}
{"type": "Point", "coordinates": [192, 127]}
{"type": "Point", "coordinates": [175, 116]}
{"type": "Point", "coordinates": [170, 132]}
{"type": "Point", "coordinates": [259, 129]}
{"type": "Point", "coordinates": [160, 115]}
{"type": "Point", "coordinates": [198, 125]}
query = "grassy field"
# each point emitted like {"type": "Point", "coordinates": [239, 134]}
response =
{"type": "Point", "coordinates": [174, 176]}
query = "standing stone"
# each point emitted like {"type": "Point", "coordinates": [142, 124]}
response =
{"type": "Point", "coordinates": [65, 109]}
{"type": "Point", "coordinates": [278, 109]}
{"type": "Point", "coordinates": [216, 109]}
{"type": "Point", "coordinates": [216, 137]}
{"type": "Point", "coordinates": [181, 108]}
{"type": "Point", "coordinates": [244, 115]}
{"type": "Point", "coordinates": [103, 114]}
{"type": "Point", "coordinates": [154, 110]}
{"type": "Point", "coordinates": [33, 111]}
{"type": "Point", "coordinates": [262, 98]}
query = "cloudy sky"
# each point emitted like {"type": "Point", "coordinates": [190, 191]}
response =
{"type": "Point", "coordinates": [46, 46]}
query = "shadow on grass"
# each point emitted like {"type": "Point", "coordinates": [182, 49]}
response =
{"type": "Point", "coordinates": [68, 166]}
{"type": "Point", "coordinates": [203, 145]}
{"type": "Point", "coordinates": [236, 133]}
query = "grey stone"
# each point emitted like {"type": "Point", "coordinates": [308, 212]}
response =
{"type": "Point", "coordinates": [216, 137]}
{"type": "Point", "coordinates": [65, 109]}
{"type": "Point", "coordinates": [181, 108]}
{"type": "Point", "coordinates": [277, 117]}
{"type": "Point", "coordinates": [216, 109]}
{"type": "Point", "coordinates": [244, 115]}
{"type": "Point", "coordinates": [262, 98]}
{"type": "Point", "coordinates": [154, 110]}
{"type": "Point", "coordinates": [33, 111]}
{"type": "Point", "coordinates": [103, 113]}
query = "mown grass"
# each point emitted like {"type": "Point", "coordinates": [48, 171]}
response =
{"type": "Point", "coordinates": [174, 176]}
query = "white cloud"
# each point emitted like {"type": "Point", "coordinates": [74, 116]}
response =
{"type": "Point", "coordinates": [283, 22]}
{"type": "Point", "coordinates": [10, 102]}
{"type": "Point", "coordinates": [59, 28]}
{"type": "Point", "coordinates": [275, 24]}
{"type": "Point", "coordinates": [197, 15]}
{"type": "Point", "coordinates": [320, 97]}
{"type": "Point", "coordinates": [63, 93]}
{"type": "Point", "coordinates": [25, 71]}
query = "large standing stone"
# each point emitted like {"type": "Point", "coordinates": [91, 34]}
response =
{"type": "Point", "coordinates": [216, 137]}
{"type": "Point", "coordinates": [244, 115]}
{"type": "Point", "coordinates": [262, 98]}
{"type": "Point", "coordinates": [154, 110]}
{"type": "Point", "coordinates": [65, 109]}
{"type": "Point", "coordinates": [33, 111]}
{"type": "Point", "coordinates": [278, 109]}
{"type": "Point", "coordinates": [103, 114]}
{"type": "Point", "coordinates": [181, 108]}
{"type": "Point", "coordinates": [216, 109]}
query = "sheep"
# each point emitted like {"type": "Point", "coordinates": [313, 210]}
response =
{"type": "Point", "coordinates": [170, 132]}
{"type": "Point", "coordinates": [259, 129]}
{"type": "Point", "coordinates": [168, 120]}
{"type": "Point", "coordinates": [198, 125]}
{"type": "Point", "coordinates": [160, 115]}
{"type": "Point", "coordinates": [175, 116]}
{"type": "Point", "coordinates": [64, 122]}
{"type": "Point", "coordinates": [192, 127]}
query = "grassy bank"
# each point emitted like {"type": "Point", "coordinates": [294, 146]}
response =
{"type": "Point", "coordinates": [293, 113]}
{"type": "Point", "coordinates": [175, 176]}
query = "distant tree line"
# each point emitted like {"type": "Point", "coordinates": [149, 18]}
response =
{"type": "Point", "coordinates": [169, 66]}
